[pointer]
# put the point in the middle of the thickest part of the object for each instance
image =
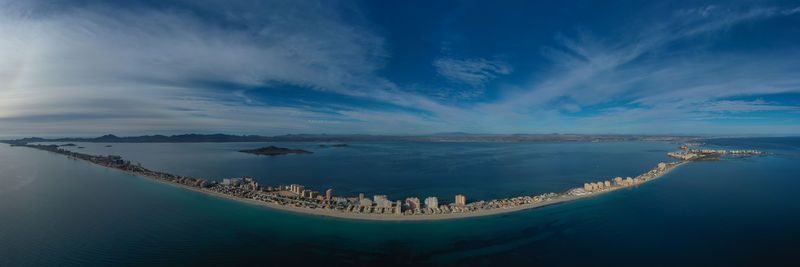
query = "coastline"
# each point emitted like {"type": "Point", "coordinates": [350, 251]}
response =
{"type": "Point", "coordinates": [394, 217]}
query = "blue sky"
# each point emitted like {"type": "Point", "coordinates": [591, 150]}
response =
{"type": "Point", "coordinates": [81, 68]}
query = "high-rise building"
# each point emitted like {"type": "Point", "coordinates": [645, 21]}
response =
{"type": "Point", "coordinates": [431, 202]}
{"type": "Point", "coordinates": [413, 203]}
{"type": "Point", "coordinates": [360, 196]}
{"type": "Point", "coordinates": [328, 194]}
{"type": "Point", "coordinates": [398, 208]}
{"type": "Point", "coordinates": [461, 200]}
{"type": "Point", "coordinates": [381, 201]}
{"type": "Point", "coordinates": [296, 188]}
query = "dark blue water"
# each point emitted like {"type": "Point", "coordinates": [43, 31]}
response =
{"type": "Point", "coordinates": [57, 211]}
{"type": "Point", "coordinates": [402, 169]}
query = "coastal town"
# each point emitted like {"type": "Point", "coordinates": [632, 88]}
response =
{"type": "Point", "coordinates": [689, 152]}
{"type": "Point", "coordinates": [295, 197]}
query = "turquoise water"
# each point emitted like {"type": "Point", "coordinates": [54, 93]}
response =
{"type": "Point", "coordinates": [57, 211]}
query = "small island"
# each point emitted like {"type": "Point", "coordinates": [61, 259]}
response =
{"type": "Point", "coordinates": [273, 151]}
{"type": "Point", "coordinates": [70, 144]}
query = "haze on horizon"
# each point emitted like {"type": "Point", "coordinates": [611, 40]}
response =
{"type": "Point", "coordinates": [86, 68]}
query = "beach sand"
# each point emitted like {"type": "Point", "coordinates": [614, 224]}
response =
{"type": "Point", "coordinates": [394, 217]}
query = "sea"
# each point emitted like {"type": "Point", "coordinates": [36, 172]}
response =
{"type": "Point", "coordinates": [56, 211]}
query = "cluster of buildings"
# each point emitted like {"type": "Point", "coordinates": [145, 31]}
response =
{"type": "Point", "coordinates": [687, 152]}
{"type": "Point", "coordinates": [723, 152]}
{"type": "Point", "coordinates": [618, 182]}
{"type": "Point", "coordinates": [116, 162]}
{"type": "Point", "coordinates": [684, 155]}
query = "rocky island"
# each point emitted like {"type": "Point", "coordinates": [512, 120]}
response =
{"type": "Point", "coordinates": [273, 151]}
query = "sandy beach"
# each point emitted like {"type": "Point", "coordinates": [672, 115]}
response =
{"type": "Point", "coordinates": [392, 217]}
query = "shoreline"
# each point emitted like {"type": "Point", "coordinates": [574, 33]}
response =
{"type": "Point", "coordinates": [394, 217]}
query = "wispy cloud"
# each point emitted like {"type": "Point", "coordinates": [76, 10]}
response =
{"type": "Point", "coordinates": [641, 70]}
{"type": "Point", "coordinates": [739, 106]}
{"type": "Point", "coordinates": [473, 71]}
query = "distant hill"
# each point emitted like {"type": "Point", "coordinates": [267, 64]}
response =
{"type": "Point", "coordinates": [440, 137]}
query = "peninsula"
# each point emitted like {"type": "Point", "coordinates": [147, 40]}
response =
{"type": "Point", "coordinates": [298, 198]}
{"type": "Point", "coordinates": [273, 151]}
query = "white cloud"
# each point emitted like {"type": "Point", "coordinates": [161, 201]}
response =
{"type": "Point", "coordinates": [739, 106]}
{"type": "Point", "coordinates": [101, 63]}
{"type": "Point", "coordinates": [641, 69]}
{"type": "Point", "coordinates": [474, 71]}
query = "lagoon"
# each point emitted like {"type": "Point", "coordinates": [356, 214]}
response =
{"type": "Point", "coordinates": [57, 210]}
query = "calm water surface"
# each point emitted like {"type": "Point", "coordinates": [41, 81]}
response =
{"type": "Point", "coordinates": [57, 211]}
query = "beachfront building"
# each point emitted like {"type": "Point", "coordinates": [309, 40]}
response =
{"type": "Point", "coordinates": [413, 203]}
{"type": "Point", "coordinates": [342, 200]}
{"type": "Point", "coordinates": [296, 188]}
{"type": "Point", "coordinates": [328, 194]}
{"type": "Point", "coordinates": [461, 200]}
{"type": "Point", "coordinates": [398, 208]}
{"type": "Point", "coordinates": [431, 202]}
{"type": "Point", "coordinates": [381, 201]}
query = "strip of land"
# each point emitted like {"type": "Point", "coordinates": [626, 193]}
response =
{"type": "Point", "coordinates": [297, 198]}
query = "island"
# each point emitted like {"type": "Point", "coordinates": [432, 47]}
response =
{"type": "Point", "coordinates": [298, 198]}
{"type": "Point", "coordinates": [70, 144]}
{"type": "Point", "coordinates": [274, 151]}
